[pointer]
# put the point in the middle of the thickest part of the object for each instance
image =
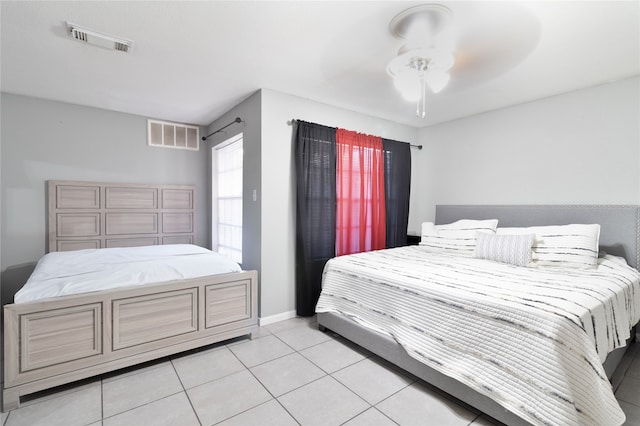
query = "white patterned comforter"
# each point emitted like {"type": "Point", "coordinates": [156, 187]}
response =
{"type": "Point", "coordinates": [531, 339]}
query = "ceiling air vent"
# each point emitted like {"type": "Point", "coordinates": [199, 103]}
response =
{"type": "Point", "coordinates": [96, 38]}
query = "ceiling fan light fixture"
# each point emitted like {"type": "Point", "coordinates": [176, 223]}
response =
{"type": "Point", "coordinates": [408, 86]}
{"type": "Point", "coordinates": [436, 80]}
{"type": "Point", "coordinates": [420, 63]}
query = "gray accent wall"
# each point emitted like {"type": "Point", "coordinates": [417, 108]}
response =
{"type": "Point", "coordinates": [46, 140]}
{"type": "Point", "coordinates": [581, 147]}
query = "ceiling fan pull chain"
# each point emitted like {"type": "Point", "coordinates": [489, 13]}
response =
{"type": "Point", "coordinates": [424, 96]}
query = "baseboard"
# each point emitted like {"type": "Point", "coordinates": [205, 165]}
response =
{"type": "Point", "coordinates": [276, 318]}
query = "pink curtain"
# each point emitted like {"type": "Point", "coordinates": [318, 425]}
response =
{"type": "Point", "coordinates": [360, 200]}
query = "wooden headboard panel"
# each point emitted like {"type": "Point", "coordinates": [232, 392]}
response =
{"type": "Point", "coordinates": [86, 215]}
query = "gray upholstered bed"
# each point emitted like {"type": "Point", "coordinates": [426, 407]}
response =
{"type": "Point", "coordinates": [57, 340]}
{"type": "Point", "coordinates": [620, 236]}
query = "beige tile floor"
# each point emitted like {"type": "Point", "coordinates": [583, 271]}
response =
{"type": "Point", "coordinates": [292, 374]}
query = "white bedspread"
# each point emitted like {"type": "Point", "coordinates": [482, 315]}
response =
{"type": "Point", "coordinates": [531, 339]}
{"type": "Point", "coordinates": [81, 271]}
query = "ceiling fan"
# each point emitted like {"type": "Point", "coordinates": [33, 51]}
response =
{"type": "Point", "coordinates": [471, 42]}
{"type": "Point", "coordinates": [425, 59]}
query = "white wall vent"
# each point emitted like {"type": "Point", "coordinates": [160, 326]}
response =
{"type": "Point", "coordinates": [99, 39]}
{"type": "Point", "coordinates": [173, 135]}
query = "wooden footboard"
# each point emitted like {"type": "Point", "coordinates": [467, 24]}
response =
{"type": "Point", "coordinates": [56, 341]}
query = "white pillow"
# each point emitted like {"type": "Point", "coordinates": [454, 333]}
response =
{"type": "Point", "coordinates": [565, 246]}
{"type": "Point", "coordinates": [457, 238]}
{"type": "Point", "coordinates": [511, 249]}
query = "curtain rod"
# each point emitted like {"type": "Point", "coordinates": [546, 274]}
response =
{"type": "Point", "coordinates": [237, 120]}
{"type": "Point", "coordinates": [293, 120]}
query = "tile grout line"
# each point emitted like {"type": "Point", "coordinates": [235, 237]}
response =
{"type": "Point", "coordinates": [288, 345]}
{"type": "Point", "coordinates": [140, 406]}
{"type": "Point", "coordinates": [331, 338]}
{"type": "Point", "coordinates": [384, 414]}
{"type": "Point", "coordinates": [261, 384]}
{"type": "Point", "coordinates": [337, 381]}
{"type": "Point", "coordinates": [329, 372]}
{"type": "Point", "coordinates": [326, 374]}
{"type": "Point", "coordinates": [184, 390]}
{"type": "Point", "coordinates": [393, 394]}
{"type": "Point", "coordinates": [208, 381]}
{"type": "Point", "coordinates": [301, 323]}
{"type": "Point", "coordinates": [237, 414]}
{"type": "Point", "coordinates": [258, 380]}
{"type": "Point", "coordinates": [146, 403]}
{"type": "Point", "coordinates": [347, 366]}
{"type": "Point", "coordinates": [356, 415]}
{"type": "Point", "coordinates": [298, 352]}
{"type": "Point", "coordinates": [295, 351]}
{"type": "Point", "coordinates": [278, 357]}
{"type": "Point", "coordinates": [265, 362]}
{"type": "Point", "coordinates": [134, 370]}
{"type": "Point", "coordinates": [620, 399]}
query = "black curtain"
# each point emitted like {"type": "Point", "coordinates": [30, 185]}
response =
{"type": "Point", "coordinates": [397, 183]}
{"type": "Point", "coordinates": [315, 157]}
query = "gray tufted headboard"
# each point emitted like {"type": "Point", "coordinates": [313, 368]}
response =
{"type": "Point", "coordinates": [619, 225]}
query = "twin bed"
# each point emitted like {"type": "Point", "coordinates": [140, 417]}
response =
{"type": "Point", "coordinates": [122, 284]}
{"type": "Point", "coordinates": [533, 344]}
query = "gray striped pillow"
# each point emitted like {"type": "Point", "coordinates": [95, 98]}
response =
{"type": "Point", "coordinates": [562, 246]}
{"type": "Point", "coordinates": [511, 249]}
{"type": "Point", "coordinates": [457, 238]}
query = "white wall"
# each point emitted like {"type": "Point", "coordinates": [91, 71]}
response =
{"type": "Point", "coordinates": [278, 184]}
{"type": "Point", "coordinates": [581, 147]}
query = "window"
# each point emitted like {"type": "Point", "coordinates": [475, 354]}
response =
{"type": "Point", "coordinates": [354, 199]}
{"type": "Point", "coordinates": [227, 198]}
{"type": "Point", "coordinates": [360, 195]}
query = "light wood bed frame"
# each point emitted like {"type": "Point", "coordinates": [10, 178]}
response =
{"type": "Point", "coordinates": [56, 341]}
{"type": "Point", "coordinates": [620, 235]}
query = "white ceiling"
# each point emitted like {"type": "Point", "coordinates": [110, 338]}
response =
{"type": "Point", "coordinates": [193, 61]}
